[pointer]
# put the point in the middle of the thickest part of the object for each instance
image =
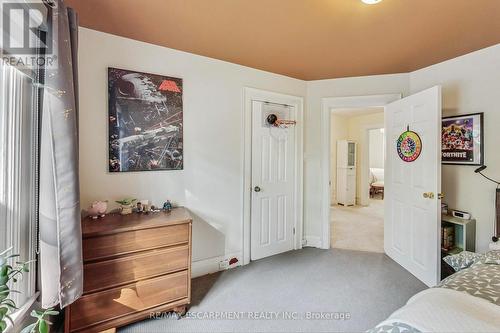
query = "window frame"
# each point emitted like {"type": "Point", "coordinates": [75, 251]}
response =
{"type": "Point", "coordinates": [18, 175]}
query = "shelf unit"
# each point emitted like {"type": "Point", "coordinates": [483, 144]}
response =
{"type": "Point", "coordinates": [465, 239]}
{"type": "Point", "coordinates": [346, 172]}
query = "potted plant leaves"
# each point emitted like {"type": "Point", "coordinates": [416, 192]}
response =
{"type": "Point", "coordinates": [9, 274]}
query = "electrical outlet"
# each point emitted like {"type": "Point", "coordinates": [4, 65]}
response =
{"type": "Point", "coordinates": [230, 262]}
{"type": "Point", "coordinates": [224, 264]}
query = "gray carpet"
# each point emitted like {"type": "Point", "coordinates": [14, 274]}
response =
{"type": "Point", "coordinates": [368, 287]}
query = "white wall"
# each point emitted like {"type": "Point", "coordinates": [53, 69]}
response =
{"type": "Point", "coordinates": [471, 83]}
{"type": "Point", "coordinates": [376, 149]}
{"type": "Point", "coordinates": [211, 183]}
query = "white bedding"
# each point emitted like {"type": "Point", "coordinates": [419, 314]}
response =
{"type": "Point", "coordinates": [446, 310]}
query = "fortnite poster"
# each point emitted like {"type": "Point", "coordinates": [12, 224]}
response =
{"type": "Point", "coordinates": [461, 139]}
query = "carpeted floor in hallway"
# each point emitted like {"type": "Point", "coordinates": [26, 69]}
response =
{"type": "Point", "coordinates": [358, 228]}
{"type": "Point", "coordinates": [319, 290]}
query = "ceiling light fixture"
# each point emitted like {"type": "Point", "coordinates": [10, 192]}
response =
{"type": "Point", "coordinates": [371, 2]}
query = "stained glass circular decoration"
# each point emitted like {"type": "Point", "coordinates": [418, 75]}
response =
{"type": "Point", "coordinates": [409, 146]}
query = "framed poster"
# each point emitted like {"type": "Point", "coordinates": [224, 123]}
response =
{"type": "Point", "coordinates": [144, 121]}
{"type": "Point", "coordinates": [462, 139]}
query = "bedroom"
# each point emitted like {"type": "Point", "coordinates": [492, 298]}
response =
{"type": "Point", "coordinates": [221, 76]}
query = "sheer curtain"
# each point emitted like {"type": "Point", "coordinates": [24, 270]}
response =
{"type": "Point", "coordinates": [18, 138]}
{"type": "Point", "coordinates": [60, 229]}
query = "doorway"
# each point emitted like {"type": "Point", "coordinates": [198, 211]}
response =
{"type": "Point", "coordinates": [412, 177]}
{"type": "Point", "coordinates": [357, 149]}
{"type": "Point", "coordinates": [329, 104]}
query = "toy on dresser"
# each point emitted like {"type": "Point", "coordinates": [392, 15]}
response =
{"type": "Point", "coordinates": [97, 209]}
{"type": "Point", "coordinates": [167, 206]}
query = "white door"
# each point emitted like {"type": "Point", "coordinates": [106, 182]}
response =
{"type": "Point", "coordinates": [273, 182]}
{"type": "Point", "coordinates": [412, 210]}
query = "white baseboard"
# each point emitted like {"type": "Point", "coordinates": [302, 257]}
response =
{"type": "Point", "coordinates": [211, 265]}
{"type": "Point", "coordinates": [313, 241]}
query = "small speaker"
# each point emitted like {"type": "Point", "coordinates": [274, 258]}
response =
{"type": "Point", "coordinates": [460, 214]}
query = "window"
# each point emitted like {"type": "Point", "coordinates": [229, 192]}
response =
{"type": "Point", "coordinates": [18, 171]}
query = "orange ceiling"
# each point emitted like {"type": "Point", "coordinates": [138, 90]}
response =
{"type": "Point", "coordinates": [305, 39]}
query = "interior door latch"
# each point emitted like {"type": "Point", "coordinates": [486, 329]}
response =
{"type": "Point", "coordinates": [429, 195]}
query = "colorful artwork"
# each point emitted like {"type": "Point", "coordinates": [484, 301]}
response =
{"type": "Point", "coordinates": [409, 146]}
{"type": "Point", "coordinates": [145, 121]}
{"type": "Point", "coordinates": [461, 140]}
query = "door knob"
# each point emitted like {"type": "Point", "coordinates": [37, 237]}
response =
{"type": "Point", "coordinates": [441, 195]}
{"type": "Point", "coordinates": [256, 189]}
{"type": "Point", "coordinates": [429, 195]}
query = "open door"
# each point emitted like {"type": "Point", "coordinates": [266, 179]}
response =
{"type": "Point", "coordinates": [412, 188]}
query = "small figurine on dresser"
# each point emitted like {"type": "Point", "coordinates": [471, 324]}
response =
{"type": "Point", "coordinates": [126, 205]}
{"type": "Point", "coordinates": [167, 206]}
{"type": "Point", "coordinates": [97, 209]}
{"type": "Point", "coordinates": [139, 207]}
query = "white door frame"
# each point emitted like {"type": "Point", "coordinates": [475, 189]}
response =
{"type": "Point", "coordinates": [330, 103]}
{"type": "Point", "coordinates": [252, 94]}
{"type": "Point", "coordinates": [364, 196]}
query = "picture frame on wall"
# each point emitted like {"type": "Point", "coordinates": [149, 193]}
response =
{"type": "Point", "coordinates": [462, 139]}
{"type": "Point", "coordinates": [145, 121]}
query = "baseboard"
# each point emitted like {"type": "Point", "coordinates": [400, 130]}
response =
{"type": "Point", "coordinates": [313, 241]}
{"type": "Point", "coordinates": [211, 265]}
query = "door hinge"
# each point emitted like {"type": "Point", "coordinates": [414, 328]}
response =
{"type": "Point", "coordinates": [294, 231]}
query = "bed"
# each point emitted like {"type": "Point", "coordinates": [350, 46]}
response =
{"type": "Point", "coordinates": [467, 301]}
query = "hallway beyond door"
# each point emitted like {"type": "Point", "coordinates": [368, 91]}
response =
{"type": "Point", "coordinates": [358, 228]}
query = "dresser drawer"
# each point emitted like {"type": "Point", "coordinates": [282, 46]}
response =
{"type": "Point", "coordinates": [115, 272]}
{"type": "Point", "coordinates": [114, 245]}
{"type": "Point", "coordinates": [100, 307]}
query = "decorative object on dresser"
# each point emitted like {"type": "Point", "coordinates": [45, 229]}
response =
{"type": "Point", "coordinates": [97, 209]}
{"type": "Point", "coordinates": [167, 206]}
{"type": "Point", "coordinates": [126, 205]}
{"type": "Point", "coordinates": [134, 265]}
{"type": "Point", "coordinates": [346, 173]}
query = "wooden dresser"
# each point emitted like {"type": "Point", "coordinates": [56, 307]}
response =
{"type": "Point", "coordinates": [134, 265]}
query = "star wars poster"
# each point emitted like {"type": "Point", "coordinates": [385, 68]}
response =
{"type": "Point", "coordinates": [145, 121]}
{"type": "Point", "coordinates": [462, 139]}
